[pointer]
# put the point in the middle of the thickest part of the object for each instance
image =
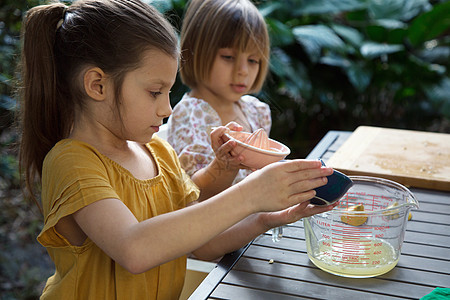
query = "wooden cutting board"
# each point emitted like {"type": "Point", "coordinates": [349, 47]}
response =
{"type": "Point", "coordinates": [412, 158]}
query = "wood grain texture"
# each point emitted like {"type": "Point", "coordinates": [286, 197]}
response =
{"type": "Point", "coordinates": [412, 158]}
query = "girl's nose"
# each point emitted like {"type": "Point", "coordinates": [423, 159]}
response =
{"type": "Point", "coordinates": [165, 109]}
{"type": "Point", "coordinates": [242, 67]}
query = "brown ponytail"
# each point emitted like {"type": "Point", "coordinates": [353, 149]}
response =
{"type": "Point", "coordinates": [58, 41]}
{"type": "Point", "coordinates": [39, 94]}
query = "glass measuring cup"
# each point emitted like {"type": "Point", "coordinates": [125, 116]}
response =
{"type": "Point", "coordinates": [363, 235]}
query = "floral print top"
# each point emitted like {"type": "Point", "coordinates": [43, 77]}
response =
{"type": "Point", "coordinates": [192, 121]}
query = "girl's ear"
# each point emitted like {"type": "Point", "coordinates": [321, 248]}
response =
{"type": "Point", "coordinates": [95, 83]}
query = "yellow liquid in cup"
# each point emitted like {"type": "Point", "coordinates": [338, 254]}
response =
{"type": "Point", "coordinates": [357, 258]}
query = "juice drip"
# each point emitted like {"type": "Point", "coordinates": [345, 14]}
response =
{"type": "Point", "coordinates": [363, 258]}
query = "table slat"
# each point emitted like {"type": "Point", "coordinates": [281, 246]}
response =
{"type": "Point", "coordinates": [297, 288]}
{"type": "Point", "coordinates": [314, 280]}
{"type": "Point", "coordinates": [231, 291]}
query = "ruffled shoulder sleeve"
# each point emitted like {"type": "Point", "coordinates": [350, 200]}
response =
{"type": "Point", "coordinates": [73, 177]}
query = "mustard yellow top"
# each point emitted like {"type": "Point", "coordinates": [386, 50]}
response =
{"type": "Point", "coordinates": [75, 175]}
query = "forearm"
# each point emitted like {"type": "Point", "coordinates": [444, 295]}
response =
{"type": "Point", "coordinates": [140, 246]}
{"type": "Point", "coordinates": [179, 233]}
{"type": "Point", "coordinates": [233, 238]}
{"type": "Point", "coordinates": [213, 179]}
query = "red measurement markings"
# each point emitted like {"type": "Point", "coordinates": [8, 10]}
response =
{"type": "Point", "coordinates": [354, 243]}
{"type": "Point", "coordinates": [351, 247]}
{"type": "Point", "coordinates": [370, 201]}
{"type": "Point", "coordinates": [323, 223]}
{"type": "Point", "coordinates": [344, 236]}
{"type": "Point", "coordinates": [351, 236]}
{"type": "Point", "coordinates": [381, 228]}
{"type": "Point", "coordinates": [344, 231]}
{"type": "Point", "coordinates": [352, 232]}
{"type": "Point", "coordinates": [350, 262]}
{"type": "Point", "coordinates": [375, 202]}
{"type": "Point", "coordinates": [338, 227]}
{"type": "Point", "coordinates": [390, 200]}
{"type": "Point", "coordinates": [351, 242]}
{"type": "Point", "coordinates": [352, 252]}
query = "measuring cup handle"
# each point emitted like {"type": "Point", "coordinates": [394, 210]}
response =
{"type": "Point", "coordinates": [277, 234]}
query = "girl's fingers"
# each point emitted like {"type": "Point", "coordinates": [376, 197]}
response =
{"type": "Point", "coordinates": [226, 149]}
{"type": "Point", "coordinates": [218, 137]}
{"type": "Point", "coordinates": [302, 191]}
{"type": "Point", "coordinates": [301, 197]}
{"type": "Point", "coordinates": [234, 126]}
{"type": "Point", "coordinates": [308, 184]}
{"type": "Point", "coordinates": [304, 210]}
{"type": "Point", "coordinates": [317, 209]}
{"type": "Point", "coordinates": [296, 165]}
{"type": "Point", "coordinates": [302, 171]}
{"type": "Point", "coordinates": [295, 213]}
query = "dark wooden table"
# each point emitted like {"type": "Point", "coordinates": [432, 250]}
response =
{"type": "Point", "coordinates": [424, 264]}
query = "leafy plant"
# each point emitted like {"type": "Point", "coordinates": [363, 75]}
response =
{"type": "Point", "coordinates": [23, 266]}
{"type": "Point", "coordinates": [340, 64]}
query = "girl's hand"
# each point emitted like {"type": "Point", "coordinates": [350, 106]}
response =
{"type": "Point", "coordinates": [283, 185]}
{"type": "Point", "coordinates": [221, 172]}
{"type": "Point", "coordinates": [293, 214]}
{"type": "Point", "coordinates": [223, 147]}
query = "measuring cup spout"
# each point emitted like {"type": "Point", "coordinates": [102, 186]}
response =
{"type": "Point", "coordinates": [412, 201]}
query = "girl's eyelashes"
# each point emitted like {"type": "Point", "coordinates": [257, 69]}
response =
{"type": "Point", "coordinates": [231, 58]}
{"type": "Point", "coordinates": [227, 57]}
{"type": "Point", "coordinates": [155, 94]}
{"type": "Point", "coordinates": [158, 93]}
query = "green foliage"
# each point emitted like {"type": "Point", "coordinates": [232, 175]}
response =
{"type": "Point", "coordinates": [23, 263]}
{"type": "Point", "coordinates": [10, 23]}
{"type": "Point", "coordinates": [340, 64]}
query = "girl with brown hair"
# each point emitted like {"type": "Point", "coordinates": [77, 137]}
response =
{"type": "Point", "coordinates": [118, 219]}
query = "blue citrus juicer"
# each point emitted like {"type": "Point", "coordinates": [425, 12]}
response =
{"type": "Point", "coordinates": [338, 184]}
